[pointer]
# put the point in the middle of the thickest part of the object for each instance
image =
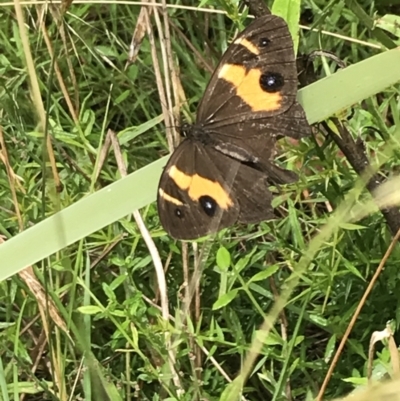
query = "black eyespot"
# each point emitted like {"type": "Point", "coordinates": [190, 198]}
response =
{"type": "Point", "coordinates": [264, 42]}
{"type": "Point", "coordinates": [178, 213]}
{"type": "Point", "coordinates": [209, 205]}
{"type": "Point", "coordinates": [271, 81]}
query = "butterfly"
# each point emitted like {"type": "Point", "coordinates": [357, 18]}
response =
{"type": "Point", "coordinates": [220, 173]}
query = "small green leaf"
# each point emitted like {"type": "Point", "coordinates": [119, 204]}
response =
{"type": "Point", "coordinates": [271, 339]}
{"type": "Point", "coordinates": [118, 312]}
{"type": "Point", "coordinates": [268, 272]}
{"type": "Point", "coordinates": [225, 299]}
{"type": "Point", "coordinates": [330, 349]}
{"type": "Point", "coordinates": [134, 335]}
{"type": "Point", "coordinates": [298, 340]}
{"type": "Point", "coordinates": [123, 96]}
{"type": "Point", "coordinates": [244, 261]}
{"type": "Point", "coordinates": [109, 292]}
{"type": "Point", "coordinates": [319, 320]}
{"type": "Point", "coordinates": [128, 134]}
{"type": "Point", "coordinates": [118, 281]}
{"type": "Point", "coordinates": [90, 310]}
{"type": "Point", "coordinates": [359, 381]}
{"type": "Point", "coordinates": [350, 267]}
{"type": "Point", "coordinates": [223, 258]}
{"type": "Point", "coordinates": [295, 224]}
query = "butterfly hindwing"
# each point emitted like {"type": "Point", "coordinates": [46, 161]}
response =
{"type": "Point", "coordinates": [192, 192]}
{"type": "Point", "coordinates": [202, 191]}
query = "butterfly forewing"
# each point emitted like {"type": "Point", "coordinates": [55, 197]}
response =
{"type": "Point", "coordinates": [256, 76]}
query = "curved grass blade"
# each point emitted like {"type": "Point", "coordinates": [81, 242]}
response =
{"type": "Point", "coordinates": [320, 100]}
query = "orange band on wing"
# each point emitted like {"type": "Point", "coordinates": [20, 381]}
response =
{"type": "Point", "coordinates": [248, 45]}
{"type": "Point", "coordinates": [248, 87]}
{"type": "Point", "coordinates": [198, 186]}
{"type": "Point", "coordinates": [169, 198]}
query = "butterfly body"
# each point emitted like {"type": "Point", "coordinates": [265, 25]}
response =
{"type": "Point", "coordinates": [219, 174]}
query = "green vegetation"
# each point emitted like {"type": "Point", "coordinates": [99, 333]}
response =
{"type": "Point", "coordinates": [81, 315]}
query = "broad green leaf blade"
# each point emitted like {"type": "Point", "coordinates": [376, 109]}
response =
{"type": "Point", "coordinates": [350, 85]}
{"type": "Point", "coordinates": [320, 100]}
{"type": "Point", "coordinates": [80, 219]}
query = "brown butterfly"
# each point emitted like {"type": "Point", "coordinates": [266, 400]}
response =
{"type": "Point", "coordinates": [219, 174]}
